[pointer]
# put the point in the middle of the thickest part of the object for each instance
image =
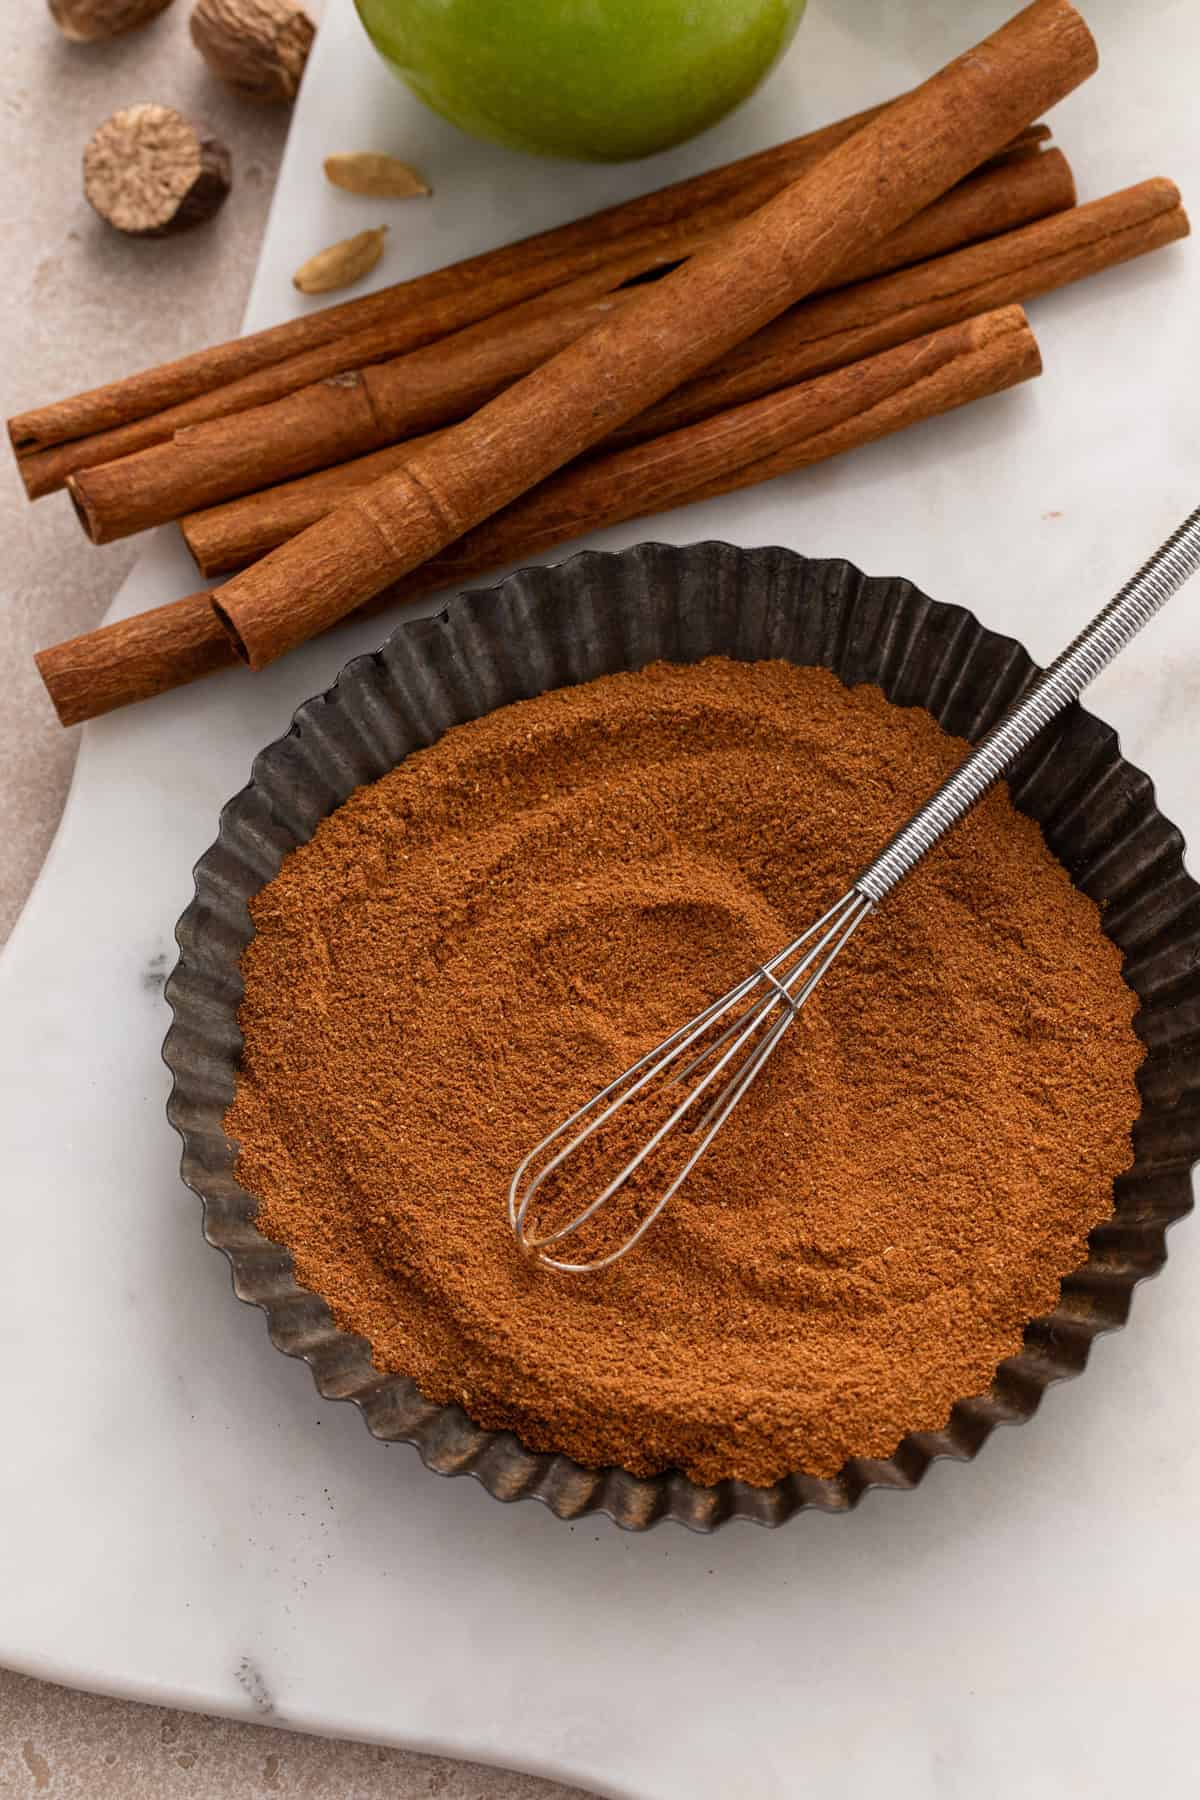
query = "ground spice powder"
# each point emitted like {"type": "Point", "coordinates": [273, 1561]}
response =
{"type": "Point", "coordinates": [471, 946]}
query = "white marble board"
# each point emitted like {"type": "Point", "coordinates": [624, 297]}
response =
{"type": "Point", "coordinates": [182, 1519]}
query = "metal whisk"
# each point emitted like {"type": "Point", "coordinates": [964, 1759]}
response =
{"type": "Point", "coordinates": [712, 1060]}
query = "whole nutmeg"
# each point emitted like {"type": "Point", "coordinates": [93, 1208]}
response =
{"type": "Point", "coordinates": [258, 47]}
{"type": "Point", "coordinates": [149, 172]}
{"type": "Point", "coordinates": [88, 21]}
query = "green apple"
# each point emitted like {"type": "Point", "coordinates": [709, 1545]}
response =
{"type": "Point", "coordinates": [596, 79]}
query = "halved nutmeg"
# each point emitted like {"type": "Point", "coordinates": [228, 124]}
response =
{"type": "Point", "coordinates": [148, 171]}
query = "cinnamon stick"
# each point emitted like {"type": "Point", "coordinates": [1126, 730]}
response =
{"type": "Point", "coordinates": [865, 188]}
{"type": "Point", "coordinates": [431, 305]}
{"type": "Point", "coordinates": [228, 537]}
{"type": "Point", "coordinates": [330, 421]}
{"type": "Point", "coordinates": [135, 659]}
{"type": "Point", "coordinates": [325, 423]}
{"type": "Point", "coordinates": [46, 471]}
{"type": "Point", "coordinates": [842, 327]}
{"type": "Point", "coordinates": [417, 311]}
{"type": "Point", "coordinates": [966, 215]}
{"type": "Point", "coordinates": [790, 429]}
{"type": "Point", "coordinates": [815, 336]}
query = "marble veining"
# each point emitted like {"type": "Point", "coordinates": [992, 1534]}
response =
{"type": "Point", "coordinates": [155, 972]}
{"type": "Point", "coordinates": [250, 1679]}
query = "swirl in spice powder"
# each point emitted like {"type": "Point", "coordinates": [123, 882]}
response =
{"type": "Point", "coordinates": [471, 946]}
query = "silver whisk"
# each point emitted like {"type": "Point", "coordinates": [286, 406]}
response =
{"type": "Point", "coordinates": [725, 1047]}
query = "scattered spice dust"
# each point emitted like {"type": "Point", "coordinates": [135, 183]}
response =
{"type": "Point", "coordinates": [471, 946]}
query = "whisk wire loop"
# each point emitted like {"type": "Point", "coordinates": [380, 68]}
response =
{"type": "Point", "coordinates": [734, 1050]}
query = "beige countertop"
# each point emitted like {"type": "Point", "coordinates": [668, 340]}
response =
{"type": "Point", "coordinates": [82, 305]}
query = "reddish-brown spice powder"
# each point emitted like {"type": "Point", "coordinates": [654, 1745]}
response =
{"type": "Point", "coordinates": [471, 946]}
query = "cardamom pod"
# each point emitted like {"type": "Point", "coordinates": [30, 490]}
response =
{"type": "Point", "coordinates": [370, 172]}
{"type": "Point", "coordinates": [341, 264]}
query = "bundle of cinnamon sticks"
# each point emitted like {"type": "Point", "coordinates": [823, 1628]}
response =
{"type": "Point", "coordinates": [749, 321]}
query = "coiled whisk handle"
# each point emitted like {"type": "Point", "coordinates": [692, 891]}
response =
{"type": "Point", "coordinates": [1051, 692]}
